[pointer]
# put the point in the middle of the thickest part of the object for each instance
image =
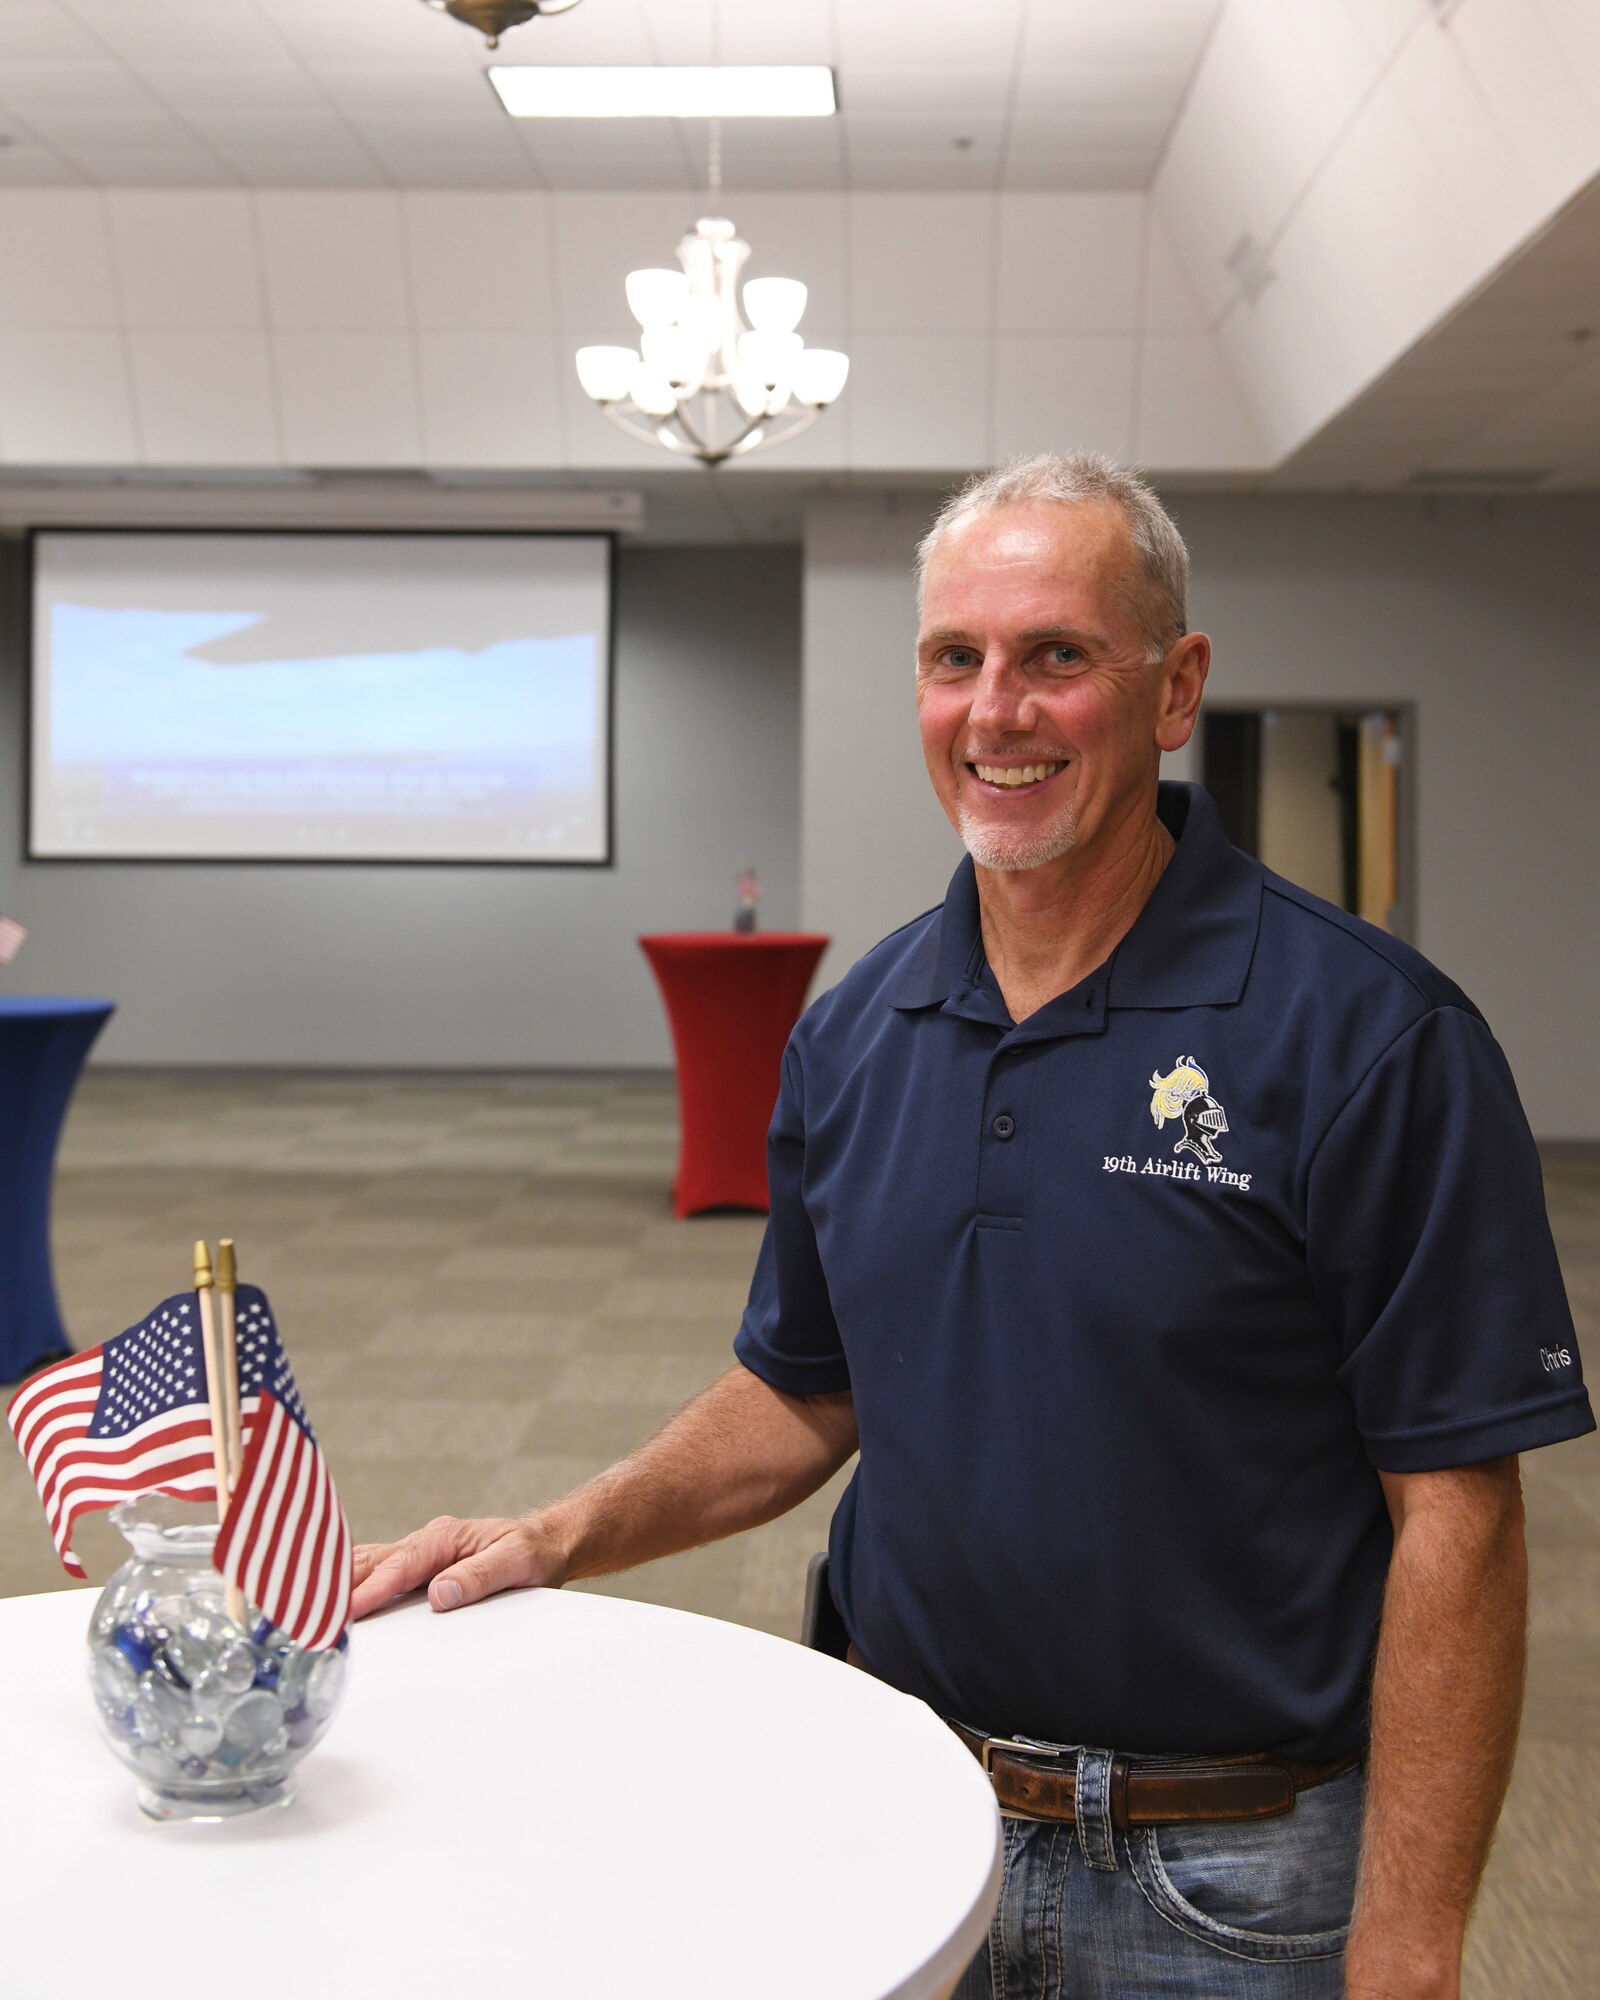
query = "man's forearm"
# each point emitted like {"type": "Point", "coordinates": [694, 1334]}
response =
{"type": "Point", "coordinates": [1446, 1699]}
{"type": "Point", "coordinates": [741, 1453]}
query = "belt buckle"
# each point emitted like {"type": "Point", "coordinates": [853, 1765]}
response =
{"type": "Point", "coordinates": [1019, 1745]}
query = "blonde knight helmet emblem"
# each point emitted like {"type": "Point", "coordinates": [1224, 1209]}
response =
{"type": "Point", "coordinates": [1185, 1094]}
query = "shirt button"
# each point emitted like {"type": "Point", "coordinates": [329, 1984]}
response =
{"type": "Point", "coordinates": [1004, 1126]}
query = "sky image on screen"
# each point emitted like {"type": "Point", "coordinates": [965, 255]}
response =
{"type": "Point", "coordinates": [190, 731]}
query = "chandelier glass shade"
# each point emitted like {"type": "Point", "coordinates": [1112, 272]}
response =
{"type": "Point", "coordinates": [705, 381]}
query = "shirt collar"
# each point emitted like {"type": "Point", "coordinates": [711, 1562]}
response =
{"type": "Point", "coordinates": [1190, 946]}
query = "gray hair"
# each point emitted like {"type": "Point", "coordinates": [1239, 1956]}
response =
{"type": "Point", "coordinates": [1069, 479]}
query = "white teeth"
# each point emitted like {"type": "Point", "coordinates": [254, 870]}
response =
{"type": "Point", "coordinates": [1012, 776]}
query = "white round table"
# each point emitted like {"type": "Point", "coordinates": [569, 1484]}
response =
{"type": "Point", "coordinates": [552, 1794]}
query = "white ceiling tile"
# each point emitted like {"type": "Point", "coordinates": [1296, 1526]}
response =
{"type": "Point", "coordinates": [924, 92]}
{"type": "Point", "coordinates": [918, 401]}
{"type": "Point", "coordinates": [393, 138]}
{"type": "Point", "coordinates": [1575, 24]}
{"type": "Point", "coordinates": [598, 241]}
{"type": "Point", "coordinates": [1062, 91]}
{"type": "Point", "coordinates": [425, 90]}
{"type": "Point", "coordinates": [153, 167]}
{"type": "Point", "coordinates": [1095, 32]}
{"type": "Point", "coordinates": [921, 261]}
{"type": "Point", "coordinates": [64, 398]}
{"type": "Point", "coordinates": [365, 31]}
{"type": "Point", "coordinates": [55, 260]}
{"type": "Point", "coordinates": [1092, 131]}
{"type": "Point", "coordinates": [203, 30]}
{"type": "Point", "coordinates": [186, 259]}
{"type": "Point", "coordinates": [1191, 416]}
{"type": "Point", "coordinates": [1169, 303]}
{"type": "Point", "coordinates": [345, 171]}
{"type": "Point", "coordinates": [490, 398]}
{"type": "Point", "coordinates": [419, 170]}
{"type": "Point", "coordinates": [27, 88]}
{"type": "Point", "coordinates": [1523, 72]}
{"type": "Point", "coordinates": [333, 260]}
{"type": "Point", "coordinates": [1069, 263]}
{"type": "Point", "coordinates": [936, 33]}
{"type": "Point", "coordinates": [220, 88]}
{"type": "Point", "coordinates": [480, 264]}
{"type": "Point", "coordinates": [39, 31]}
{"type": "Point", "coordinates": [106, 131]}
{"type": "Point", "coordinates": [348, 398]}
{"type": "Point", "coordinates": [794, 236]}
{"type": "Point", "coordinates": [35, 166]}
{"type": "Point", "coordinates": [1052, 393]}
{"type": "Point", "coordinates": [1080, 173]}
{"type": "Point", "coordinates": [936, 136]}
{"type": "Point", "coordinates": [951, 172]}
{"type": "Point", "coordinates": [204, 398]}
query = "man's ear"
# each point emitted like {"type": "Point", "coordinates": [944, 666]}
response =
{"type": "Point", "coordinates": [1183, 681]}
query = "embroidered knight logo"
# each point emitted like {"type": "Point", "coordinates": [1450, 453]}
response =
{"type": "Point", "coordinates": [1184, 1094]}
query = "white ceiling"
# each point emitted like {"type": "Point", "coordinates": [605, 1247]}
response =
{"type": "Point", "coordinates": [1504, 394]}
{"type": "Point", "coordinates": [934, 94]}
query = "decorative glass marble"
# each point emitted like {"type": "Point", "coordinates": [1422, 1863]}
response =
{"type": "Point", "coordinates": [209, 1715]}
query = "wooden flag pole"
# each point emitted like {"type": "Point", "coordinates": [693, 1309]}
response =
{"type": "Point", "coordinates": [227, 1284]}
{"type": "Point", "coordinates": [216, 1402]}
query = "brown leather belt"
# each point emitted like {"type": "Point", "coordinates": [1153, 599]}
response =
{"type": "Point", "coordinates": [1039, 1782]}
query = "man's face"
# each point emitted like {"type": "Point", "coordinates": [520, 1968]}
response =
{"type": "Point", "coordinates": [1042, 717]}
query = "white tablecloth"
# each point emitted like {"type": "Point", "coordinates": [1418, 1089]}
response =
{"type": "Point", "coordinates": [552, 1794]}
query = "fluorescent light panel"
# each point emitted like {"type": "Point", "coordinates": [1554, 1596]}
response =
{"type": "Point", "coordinates": [794, 90]}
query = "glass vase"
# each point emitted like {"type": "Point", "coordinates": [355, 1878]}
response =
{"type": "Point", "coordinates": [211, 1716]}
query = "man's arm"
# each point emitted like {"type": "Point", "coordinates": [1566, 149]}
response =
{"type": "Point", "coordinates": [1446, 1700]}
{"type": "Point", "coordinates": [741, 1453]}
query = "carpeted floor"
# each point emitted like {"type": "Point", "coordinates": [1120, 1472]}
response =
{"type": "Point", "coordinates": [487, 1297]}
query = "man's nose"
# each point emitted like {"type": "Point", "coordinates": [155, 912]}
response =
{"type": "Point", "coordinates": [1002, 697]}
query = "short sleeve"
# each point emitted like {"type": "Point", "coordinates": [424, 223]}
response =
{"type": "Point", "coordinates": [1428, 1245]}
{"type": "Point", "coordinates": [788, 1335]}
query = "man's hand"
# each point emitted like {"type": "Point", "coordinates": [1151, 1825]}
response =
{"type": "Point", "coordinates": [739, 1454]}
{"type": "Point", "coordinates": [459, 1561]}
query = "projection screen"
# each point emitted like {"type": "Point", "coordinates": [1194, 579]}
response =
{"type": "Point", "coordinates": [321, 697]}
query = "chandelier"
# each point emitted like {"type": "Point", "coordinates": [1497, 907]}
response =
{"type": "Point", "coordinates": [704, 381]}
{"type": "Point", "coordinates": [491, 18]}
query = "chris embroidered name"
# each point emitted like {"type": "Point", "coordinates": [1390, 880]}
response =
{"type": "Point", "coordinates": [1173, 1170]}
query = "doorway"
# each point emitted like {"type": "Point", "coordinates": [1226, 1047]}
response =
{"type": "Point", "coordinates": [1320, 794]}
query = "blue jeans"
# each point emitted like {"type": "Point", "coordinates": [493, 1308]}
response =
{"type": "Point", "coordinates": [1219, 1910]}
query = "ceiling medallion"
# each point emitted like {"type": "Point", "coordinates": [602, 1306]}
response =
{"type": "Point", "coordinates": [492, 18]}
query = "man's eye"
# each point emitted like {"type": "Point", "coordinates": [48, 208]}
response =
{"type": "Point", "coordinates": [959, 657]}
{"type": "Point", "coordinates": [1064, 656]}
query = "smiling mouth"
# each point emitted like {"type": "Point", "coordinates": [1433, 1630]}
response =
{"type": "Point", "coordinates": [1017, 777]}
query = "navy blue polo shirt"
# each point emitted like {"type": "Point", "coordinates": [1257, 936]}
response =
{"type": "Point", "coordinates": [1136, 1296]}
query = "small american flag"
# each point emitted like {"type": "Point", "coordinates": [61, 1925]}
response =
{"type": "Point", "coordinates": [286, 1542]}
{"type": "Point", "coordinates": [132, 1417]}
{"type": "Point", "coordinates": [129, 1417]}
{"type": "Point", "coordinates": [12, 938]}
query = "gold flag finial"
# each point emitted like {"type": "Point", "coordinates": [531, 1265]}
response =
{"type": "Point", "coordinates": [227, 1269]}
{"type": "Point", "coordinates": [202, 1267]}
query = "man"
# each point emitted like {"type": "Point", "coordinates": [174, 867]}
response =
{"type": "Point", "coordinates": [1172, 1247]}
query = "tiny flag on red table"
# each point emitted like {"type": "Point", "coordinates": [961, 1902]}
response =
{"type": "Point", "coordinates": [12, 938]}
{"type": "Point", "coordinates": [132, 1417]}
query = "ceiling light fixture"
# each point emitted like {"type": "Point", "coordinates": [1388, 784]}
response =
{"type": "Point", "coordinates": [703, 381]}
{"type": "Point", "coordinates": [492, 18]}
{"type": "Point", "coordinates": [792, 90]}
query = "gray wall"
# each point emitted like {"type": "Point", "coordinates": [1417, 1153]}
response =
{"type": "Point", "coordinates": [469, 967]}
{"type": "Point", "coordinates": [1484, 614]}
